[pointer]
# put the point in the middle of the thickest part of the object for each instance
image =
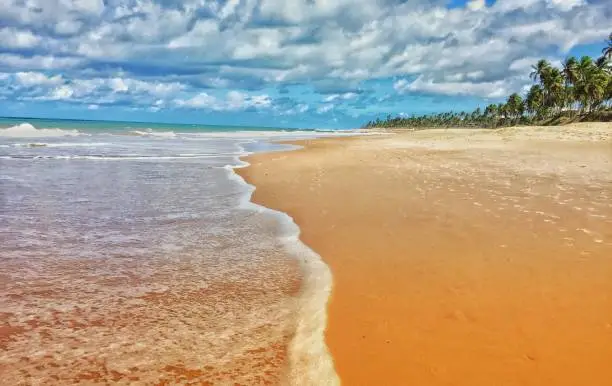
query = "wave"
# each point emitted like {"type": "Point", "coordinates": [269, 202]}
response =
{"type": "Point", "coordinates": [62, 144]}
{"type": "Point", "coordinates": [111, 157]}
{"type": "Point", "coordinates": [151, 133]}
{"type": "Point", "coordinates": [26, 130]}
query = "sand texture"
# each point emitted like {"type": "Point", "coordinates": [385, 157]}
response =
{"type": "Point", "coordinates": [459, 257]}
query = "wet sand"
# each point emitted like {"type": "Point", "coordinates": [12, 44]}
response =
{"type": "Point", "coordinates": [164, 321]}
{"type": "Point", "coordinates": [459, 257]}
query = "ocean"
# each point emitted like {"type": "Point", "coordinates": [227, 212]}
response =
{"type": "Point", "coordinates": [131, 253]}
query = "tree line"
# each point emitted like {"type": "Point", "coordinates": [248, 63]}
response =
{"type": "Point", "coordinates": [580, 90]}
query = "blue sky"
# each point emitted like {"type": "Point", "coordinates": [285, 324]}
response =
{"type": "Point", "coordinates": [291, 63]}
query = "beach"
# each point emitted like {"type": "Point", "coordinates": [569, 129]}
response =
{"type": "Point", "coordinates": [458, 257]}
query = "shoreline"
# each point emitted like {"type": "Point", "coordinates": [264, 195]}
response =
{"type": "Point", "coordinates": [404, 304]}
{"type": "Point", "coordinates": [309, 359]}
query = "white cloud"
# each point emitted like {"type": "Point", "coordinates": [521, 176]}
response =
{"type": "Point", "coordinates": [344, 96]}
{"type": "Point", "coordinates": [234, 100]}
{"type": "Point", "coordinates": [475, 75]}
{"type": "Point", "coordinates": [93, 7]}
{"type": "Point", "coordinates": [259, 101]}
{"type": "Point", "coordinates": [298, 109]}
{"type": "Point", "coordinates": [476, 5]}
{"type": "Point", "coordinates": [202, 100]}
{"type": "Point", "coordinates": [253, 44]}
{"type": "Point", "coordinates": [61, 93]}
{"type": "Point", "coordinates": [96, 91]}
{"type": "Point", "coordinates": [565, 5]}
{"type": "Point", "coordinates": [494, 89]}
{"type": "Point", "coordinates": [202, 32]}
{"type": "Point", "coordinates": [118, 85]}
{"type": "Point", "coordinates": [511, 5]}
{"type": "Point", "coordinates": [401, 85]}
{"type": "Point", "coordinates": [63, 15]}
{"type": "Point", "coordinates": [68, 27]}
{"type": "Point", "coordinates": [325, 108]}
{"type": "Point", "coordinates": [29, 79]}
{"type": "Point", "coordinates": [38, 62]}
{"type": "Point", "coordinates": [124, 85]}
{"type": "Point", "coordinates": [14, 38]}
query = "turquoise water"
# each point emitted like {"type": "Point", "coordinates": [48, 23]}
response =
{"type": "Point", "coordinates": [109, 126]}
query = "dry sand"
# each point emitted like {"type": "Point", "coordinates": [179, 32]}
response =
{"type": "Point", "coordinates": [459, 257]}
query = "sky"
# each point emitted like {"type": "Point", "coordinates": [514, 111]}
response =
{"type": "Point", "coordinates": [280, 63]}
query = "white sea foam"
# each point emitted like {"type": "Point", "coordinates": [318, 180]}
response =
{"type": "Point", "coordinates": [111, 158]}
{"type": "Point", "coordinates": [151, 133]}
{"type": "Point", "coordinates": [26, 130]}
{"type": "Point", "coordinates": [63, 144]}
{"type": "Point", "coordinates": [310, 360]}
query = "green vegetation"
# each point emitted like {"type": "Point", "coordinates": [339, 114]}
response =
{"type": "Point", "coordinates": [579, 91]}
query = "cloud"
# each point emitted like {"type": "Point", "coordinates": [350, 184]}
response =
{"type": "Point", "coordinates": [494, 89]}
{"type": "Point", "coordinates": [93, 91]}
{"type": "Point", "coordinates": [344, 96]}
{"type": "Point", "coordinates": [123, 85]}
{"type": "Point", "coordinates": [202, 100]}
{"type": "Point", "coordinates": [61, 93]}
{"type": "Point", "coordinates": [232, 55]}
{"type": "Point", "coordinates": [476, 5]}
{"type": "Point", "coordinates": [37, 62]}
{"type": "Point", "coordinates": [29, 79]}
{"type": "Point", "coordinates": [325, 108]}
{"type": "Point", "coordinates": [234, 100]}
{"type": "Point", "coordinates": [14, 38]}
{"type": "Point", "coordinates": [401, 86]}
{"type": "Point", "coordinates": [566, 5]}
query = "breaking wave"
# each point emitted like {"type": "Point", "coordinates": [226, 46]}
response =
{"type": "Point", "coordinates": [151, 133]}
{"type": "Point", "coordinates": [26, 130]}
{"type": "Point", "coordinates": [109, 157]}
{"type": "Point", "coordinates": [63, 144]}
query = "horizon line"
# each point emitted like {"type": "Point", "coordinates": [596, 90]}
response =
{"type": "Point", "coordinates": [154, 122]}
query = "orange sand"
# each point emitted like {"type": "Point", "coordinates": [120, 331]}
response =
{"type": "Point", "coordinates": [458, 259]}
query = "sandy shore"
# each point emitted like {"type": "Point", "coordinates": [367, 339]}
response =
{"type": "Point", "coordinates": [459, 257]}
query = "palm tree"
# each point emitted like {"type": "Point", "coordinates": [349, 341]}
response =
{"type": "Point", "coordinates": [502, 112]}
{"type": "Point", "coordinates": [607, 51]}
{"type": "Point", "coordinates": [535, 100]}
{"type": "Point", "coordinates": [569, 70]}
{"type": "Point", "coordinates": [491, 113]}
{"type": "Point", "coordinates": [595, 88]}
{"type": "Point", "coordinates": [539, 69]}
{"type": "Point", "coordinates": [570, 73]}
{"type": "Point", "coordinates": [608, 96]}
{"type": "Point", "coordinates": [584, 69]}
{"type": "Point", "coordinates": [514, 106]}
{"type": "Point", "coordinates": [553, 86]}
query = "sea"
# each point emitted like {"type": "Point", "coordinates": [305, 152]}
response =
{"type": "Point", "coordinates": [131, 254]}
